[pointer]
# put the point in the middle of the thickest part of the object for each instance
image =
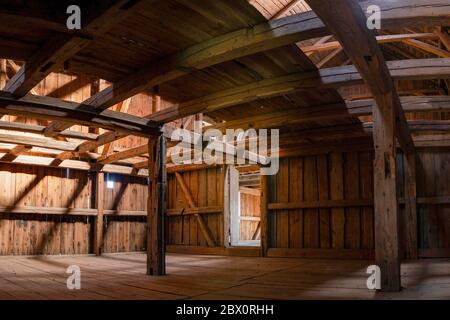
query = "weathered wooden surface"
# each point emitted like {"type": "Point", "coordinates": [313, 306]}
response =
{"type": "Point", "coordinates": [122, 276]}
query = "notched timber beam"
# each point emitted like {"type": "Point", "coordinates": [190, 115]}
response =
{"type": "Point", "coordinates": [54, 109]}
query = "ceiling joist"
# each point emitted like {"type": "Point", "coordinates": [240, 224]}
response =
{"type": "Point", "coordinates": [266, 36]}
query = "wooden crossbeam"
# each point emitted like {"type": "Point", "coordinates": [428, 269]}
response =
{"type": "Point", "coordinates": [32, 128]}
{"type": "Point", "coordinates": [251, 40]}
{"type": "Point", "coordinates": [191, 202]}
{"type": "Point", "coordinates": [429, 48]}
{"type": "Point", "coordinates": [332, 77]}
{"type": "Point", "coordinates": [42, 142]}
{"type": "Point", "coordinates": [350, 28]}
{"type": "Point", "coordinates": [121, 107]}
{"type": "Point", "coordinates": [14, 153]}
{"type": "Point", "coordinates": [48, 58]}
{"type": "Point", "coordinates": [284, 10]}
{"type": "Point", "coordinates": [75, 164]}
{"type": "Point", "coordinates": [61, 47]}
{"type": "Point", "coordinates": [54, 109]}
{"type": "Point", "coordinates": [129, 153]}
{"type": "Point", "coordinates": [445, 39]}
{"type": "Point", "coordinates": [102, 139]}
{"type": "Point", "coordinates": [328, 58]}
{"type": "Point", "coordinates": [328, 46]}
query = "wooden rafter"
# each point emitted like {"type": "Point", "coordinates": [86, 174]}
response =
{"type": "Point", "coordinates": [429, 48]}
{"type": "Point", "coordinates": [75, 164]}
{"type": "Point", "coordinates": [14, 153]}
{"type": "Point", "coordinates": [445, 39]}
{"type": "Point", "coordinates": [351, 109]}
{"type": "Point", "coordinates": [42, 142]}
{"type": "Point", "coordinates": [32, 128]}
{"type": "Point", "coordinates": [121, 107]}
{"type": "Point", "coordinates": [286, 9]}
{"type": "Point", "coordinates": [129, 153]}
{"type": "Point", "coordinates": [381, 40]}
{"type": "Point", "coordinates": [332, 77]}
{"type": "Point", "coordinates": [61, 47]}
{"type": "Point", "coordinates": [247, 41]}
{"type": "Point", "coordinates": [329, 57]}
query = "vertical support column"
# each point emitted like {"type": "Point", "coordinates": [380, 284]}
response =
{"type": "Point", "coordinates": [226, 208]}
{"type": "Point", "coordinates": [385, 193]}
{"type": "Point", "coordinates": [98, 233]}
{"type": "Point", "coordinates": [3, 78]}
{"type": "Point", "coordinates": [264, 215]}
{"type": "Point", "coordinates": [410, 216]}
{"type": "Point", "coordinates": [95, 88]}
{"type": "Point", "coordinates": [156, 249]}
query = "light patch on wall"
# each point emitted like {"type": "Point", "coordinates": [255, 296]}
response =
{"type": "Point", "coordinates": [109, 182]}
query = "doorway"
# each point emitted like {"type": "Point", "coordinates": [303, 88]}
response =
{"type": "Point", "coordinates": [244, 203]}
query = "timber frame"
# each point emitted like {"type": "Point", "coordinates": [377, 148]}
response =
{"type": "Point", "coordinates": [105, 112]}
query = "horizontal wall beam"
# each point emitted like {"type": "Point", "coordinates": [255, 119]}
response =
{"type": "Point", "coordinates": [334, 253]}
{"type": "Point", "coordinates": [193, 211]}
{"type": "Point", "coordinates": [320, 204]}
{"type": "Point", "coordinates": [70, 211]}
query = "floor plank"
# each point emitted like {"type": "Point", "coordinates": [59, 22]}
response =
{"type": "Point", "coordinates": [122, 276]}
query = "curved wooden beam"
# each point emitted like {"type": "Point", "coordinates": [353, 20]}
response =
{"type": "Point", "coordinates": [247, 41]}
{"type": "Point", "coordinates": [331, 77]}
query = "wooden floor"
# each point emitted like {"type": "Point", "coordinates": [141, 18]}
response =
{"type": "Point", "coordinates": [121, 276]}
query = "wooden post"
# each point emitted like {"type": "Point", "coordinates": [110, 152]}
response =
{"type": "Point", "coordinates": [3, 78]}
{"type": "Point", "coordinates": [385, 194]}
{"type": "Point", "coordinates": [410, 216]}
{"type": "Point", "coordinates": [226, 208]}
{"type": "Point", "coordinates": [98, 233]}
{"type": "Point", "coordinates": [264, 215]}
{"type": "Point", "coordinates": [156, 253]}
{"type": "Point", "coordinates": [350, 29]}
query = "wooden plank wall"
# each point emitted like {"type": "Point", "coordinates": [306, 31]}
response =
{"type": "Point", "coordinates": [68, 234]}
{"type": "Point", "coordinates": [348, 231]}
{"type": "Point", "coordinates": [29, 186]}
{"type": "Point", "coordinates": [24, 186]}
{"type": "Point", "coordinates": [124, 233]}
{"type": "Point", "coordinates": [433, 209]}
{"type": "Point", "coordinates": [319, 231]}
{"type": "Point", "coordinates": [250, 208]}
{"type": "Point", "coordinates": [207, 189]}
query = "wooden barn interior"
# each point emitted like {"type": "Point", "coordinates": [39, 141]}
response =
{"type": "Point", "coordinates": [86, 170]}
